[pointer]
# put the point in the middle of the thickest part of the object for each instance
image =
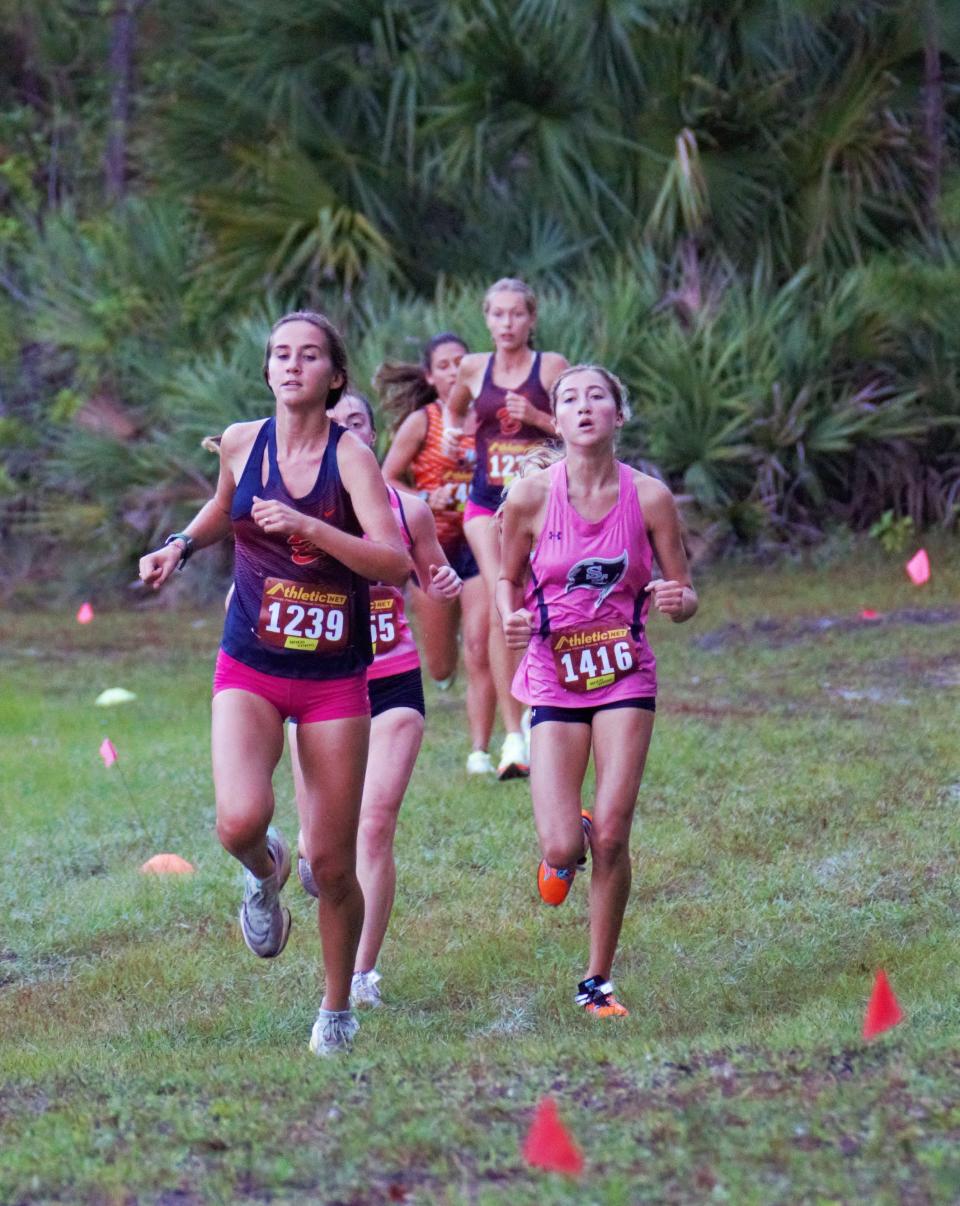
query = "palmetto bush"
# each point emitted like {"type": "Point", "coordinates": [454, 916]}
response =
{"type": "Point", "coordinates": [735, 207]}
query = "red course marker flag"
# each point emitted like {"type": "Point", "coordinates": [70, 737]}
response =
{"type": "Point", "coordinates": [883, 1011]}
{"type": "Point", "coordinates": [918, 568]}
{"type": "Point", "coordinates": [108, 752]}
{"type": "Point", "coordinates": [84, 614]}
{"type": "Point", "coordinates": [869, 614]}
{"type": "Point", "coordinates": [548, 1144]}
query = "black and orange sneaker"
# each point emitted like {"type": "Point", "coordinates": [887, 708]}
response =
{"type": "Point", "coordinates": [586, 820]}
{"type": "Point", "coordinates": [596, 996]}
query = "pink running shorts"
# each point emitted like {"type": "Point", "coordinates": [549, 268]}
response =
{"type": "Point", "coordinates": [307, 700]}
{"type": "Point", "coordinates": [474, 510]}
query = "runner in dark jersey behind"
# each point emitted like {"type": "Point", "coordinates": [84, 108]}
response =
{"type": "Point", "coordinates": [417, 460]}
{"type": "Point", "coordinates": [509, 391]}
{"type": "Point", "coordinates": [299, 495]}
{"type": "Point", "coordinates": [397, 707]}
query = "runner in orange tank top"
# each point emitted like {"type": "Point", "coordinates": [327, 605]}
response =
{"type": "Point", "coordinates": [418, 462]}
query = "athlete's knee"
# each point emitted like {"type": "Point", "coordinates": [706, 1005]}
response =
{"type": "Point", "coordinates": [377, 831]}
{"type": "Point", "coordinates": [560, 851]}
{"type": "Point", "coordinates": [241, 830]}
{"type": "Point", "coordinates": [609, 846]}
{"type": "Point", "coordinates": [334, 875]}
{"type": "Point", "coordinates": [476, 651]}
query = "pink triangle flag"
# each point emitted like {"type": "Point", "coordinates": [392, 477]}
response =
{"type": "Point", "coordinates": [108, 752]}
{"type": "Point", "coordinates": [85, 613]}
{"type": "Point", "coordinates": [918, 568]}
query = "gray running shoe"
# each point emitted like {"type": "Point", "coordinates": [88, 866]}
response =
{"type": "Point", "coordinates": [264, 922]}
{"type": "Point", "coordinates": [364, 990]}
{"type": "Point", "coordinates": [333, 1032]}
{"type": "Point", "coordinates": [305, 875]}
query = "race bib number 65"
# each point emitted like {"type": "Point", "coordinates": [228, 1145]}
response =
{"type": "Point", "coordinates": [586, 659]}
{"type": "Point", "coordinates": [384, 619]}
{"type": "Point", "coordinates": [310, 619]}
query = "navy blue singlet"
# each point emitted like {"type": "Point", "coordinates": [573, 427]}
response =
{"type": "Point", "coordinates": [296, 611]}
{"type": "Point", "coordinates": [501, 441]}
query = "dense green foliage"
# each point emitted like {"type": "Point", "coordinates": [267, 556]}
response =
{"type": "Point", "coordinates": [749, 210]}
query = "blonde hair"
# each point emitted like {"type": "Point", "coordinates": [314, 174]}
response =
{"type": "Point", "coordinates": [617, 389]}
{"type": "Point", "coordinates": [511, 284]}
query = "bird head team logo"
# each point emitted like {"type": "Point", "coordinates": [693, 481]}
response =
{"type": "Point", "coordinates": [508, 424]}
{"type": "Point", "coordinates": [302, 551]}
{"type": "Point", "coordinates": [597, 573]}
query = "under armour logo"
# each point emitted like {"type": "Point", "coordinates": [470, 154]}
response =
{"type": "Point", "coordinates": [554, 535]}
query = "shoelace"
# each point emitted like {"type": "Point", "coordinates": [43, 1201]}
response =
{"type": "Point", "coordinates": [596, 994]}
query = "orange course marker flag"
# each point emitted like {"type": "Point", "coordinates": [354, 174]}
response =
{"type": "Point", "coordinates": [883, 1009]}
{"type": "Point", "coordinates": [918, 568]}
{"type": "Point", "coordinates": [84, 614]}
{"type": "Point", "coordinates": [108, 752]}
{"type": "Point", "coordinates": [548, 1144]}
{"type": "Point", "coordinates": [167, 864]}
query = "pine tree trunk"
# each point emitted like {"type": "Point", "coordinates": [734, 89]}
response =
{"type": "Point", "coordinates": [120, 70]}
{"type": "Point", "coordinates": [933, 113]}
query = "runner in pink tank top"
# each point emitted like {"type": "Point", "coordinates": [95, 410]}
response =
{"type": "Point", "coordinates": [587, 592]}
{"type": "Point", "coordinates": [397, 713]}
{"type": "Point", "coordinates": [394, 649]}
{"type": "Point", "coordinates": [579, 540]}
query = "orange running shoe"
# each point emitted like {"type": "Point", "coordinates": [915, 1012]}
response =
{"type": "Point", "coordinates": [553, 883]}
{"type": "Point", "coordinates": [596, 996]}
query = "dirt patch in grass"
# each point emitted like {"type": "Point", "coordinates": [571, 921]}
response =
{"type": "Point", "coordinates": [780, 633]}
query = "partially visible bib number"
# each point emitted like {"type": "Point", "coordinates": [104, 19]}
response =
{"type": "Point", "coordinates": [503, 460]}
{"type": "Point", "coordinates": [384, 619]}
{"type": "Point", "coordinates": [303, 617]}
{"type": "Point", "coordinates": [587, 659]}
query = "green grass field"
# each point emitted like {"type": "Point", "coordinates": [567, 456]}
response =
{"type": "Point", "coordinates": [798, 829]}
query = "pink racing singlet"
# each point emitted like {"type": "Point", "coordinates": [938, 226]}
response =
{"type": "Point", "coordinates": [586, 592]}
{"type": "Point", "coordinates": [394, 649]}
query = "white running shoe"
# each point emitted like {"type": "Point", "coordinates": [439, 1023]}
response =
{"type": "Point", "coordinates": [513, 758]}
{"type": "Point", "coordinates": [479, 763]}
{"type": "Point", "coordinates": [333, 1032]}
{"type": "Point", "coordinates": [264, 922]}
{"type": "Point", "coordinates": [525, 730]}
{"type": "Point", "coordinates": [444, 684]}
{"type": "Point", "coordinates": [364, 990]}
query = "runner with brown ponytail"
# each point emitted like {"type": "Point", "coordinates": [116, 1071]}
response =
{"type": "Point", "coordinates": [417, 462]}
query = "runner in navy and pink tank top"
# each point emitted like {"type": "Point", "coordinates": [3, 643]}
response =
{"type": "Point", "coordinates": [296, 612]}
{"type": "Point", "coordinates": [587, 592]}
{"type": "Point", "coordinates": [501, 440]}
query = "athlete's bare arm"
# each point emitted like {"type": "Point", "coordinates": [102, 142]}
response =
{"type": "Point", "coordinates": [467, 385]}
{"type": "Point", "coordinates": [382, 556]}
{"type": "Point", "coordinates": [212, 521]}
{"type": "Point", "coordinates": [403, 451]}
{"type": "Point", "coordinates": [673, 594]}
{"type": "Point", "coordinates": [437, 576]}
{"type": "Point", "coordinates": [523, 515]}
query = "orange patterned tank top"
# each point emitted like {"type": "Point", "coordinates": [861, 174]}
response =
{"type": "Point", "coordinates": [431, 468]}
